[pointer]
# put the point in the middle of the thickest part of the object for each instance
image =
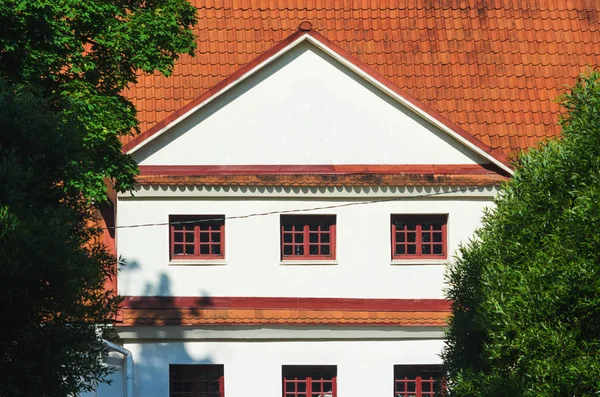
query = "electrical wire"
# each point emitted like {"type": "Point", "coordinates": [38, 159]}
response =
{"type": "Point", "coordinates": [281, 212]}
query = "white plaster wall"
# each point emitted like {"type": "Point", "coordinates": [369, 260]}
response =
{"type": "Point", "coordinates": [253, 369]}
{"type": "Point", "coordinates": [252, 252]}
{"type": "Point", "coordinates": [305, 108]}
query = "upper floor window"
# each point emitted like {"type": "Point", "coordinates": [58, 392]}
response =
{"type": "Point", "coordinates": [197, 236]}
{"type": "Point", "coordinates": [417, 380]}
{"type": "Point", "coordinates": [419, 236]}
{"type": "Point", "coordinates": [204, 380]}
{"type": "Point", "coordinates": [309, 381]}
{"type": "Point", "coordinates": [307, 237]}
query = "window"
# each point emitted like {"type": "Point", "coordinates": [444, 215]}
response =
{"type": "Point", "coordinates": [419, 236]}
{"type": "Point", "coordinates": [196, 381]}
{"type": "Point", "coordinates": [197, 236]}
{"type": "Point", "coordinates": [308, 237]}
{"type": "Point", "coordinates": [309, 381]}
{"type": "Point", "coordinates": [417, 381]}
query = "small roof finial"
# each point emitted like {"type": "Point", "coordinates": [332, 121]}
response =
{"type": "Point", "coordinates": [305, 26]}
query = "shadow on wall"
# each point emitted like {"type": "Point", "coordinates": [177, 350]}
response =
{"type": "Point", "coordinates": [152, 357]}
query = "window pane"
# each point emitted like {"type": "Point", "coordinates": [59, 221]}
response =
{"type": "Point", "coordinates": [320, 378]}
{"type": "Point", "coordinates": [317, 230]}
{"type": "Point", "coordinates": [425, 235]}
{"type": "Point", "coordinates": [196, 235]}
{"type": "Point", "coordinates": [325, 250]}
{"type": "Point", "coordinates": [287, 250]}
{"type": "Point", "coordinates": [195, 380]}
{"type": "Point", "coordinates": [189, 236]}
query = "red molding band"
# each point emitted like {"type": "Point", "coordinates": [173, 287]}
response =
{"type": "Point", "coordinates": [208, 302]}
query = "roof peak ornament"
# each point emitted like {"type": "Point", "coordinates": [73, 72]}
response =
{"type": "Point", "coordinates": [305, 26]}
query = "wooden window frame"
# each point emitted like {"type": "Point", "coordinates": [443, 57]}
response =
{"type": "Point", "coordinates": [194, 222]}
{"type": "Point", "coordinates": [305, 220]}
{"type": "Point", "coordinates": [197, 369]}
{"type": "Point", "coordinates": [419, 220]}
{"type": "Point", "coordinates": [288, 378]}
{"type": "Point", "coordinates": [431, 374]}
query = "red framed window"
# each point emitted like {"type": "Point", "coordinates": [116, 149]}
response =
{"type": "Point", "coordinates": [197, 236]}
{"type": "Point", "coordinates": [417, 381]}
{"type": "Point", "coordinates": [309, 381]}
{"type": "Point", "coordinates": [419, 236]}
{"type": "Point", "coordinates": [307, 237]}
{"type": "Point", "coordinates": [196, 381]}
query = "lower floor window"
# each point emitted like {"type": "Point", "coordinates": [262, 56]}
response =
{"type": "Point", "coordinates": [309, 381]}
{"type": "Point", "coordinates": [204, 380]}
{"type": "Point", "coordinates": [417, 380]}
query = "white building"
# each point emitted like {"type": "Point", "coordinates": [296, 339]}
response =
{"type": "Point", "coordinates": [290, 232]}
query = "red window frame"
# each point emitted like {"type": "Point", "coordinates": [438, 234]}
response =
{"type": "Point", "coordinates": [426, 233]}
{"type": "Point", "coordinates": [418, 381]}
{"type": "Point", "coordinates": [203, 235]}
{"type": "Point", "coordinates": [309, 380]}
{"type": "Point", "coordinates": [308, 237]}
{"type": "Point", "coordinates": [196, 380]}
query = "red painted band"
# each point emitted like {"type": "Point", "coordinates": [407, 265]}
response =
{"type": "Point", "coordinates": [166, 302]}
{"type": "Point", "coordinates": [342, 169]}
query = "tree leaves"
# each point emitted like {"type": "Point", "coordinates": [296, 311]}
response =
{"type": "Point", "coordinates": [63, 66]}
{"type": "Point", "coordinates": [526, 291]}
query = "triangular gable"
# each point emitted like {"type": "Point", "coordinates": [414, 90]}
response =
{"type": "Point", "coordinates": [305, 34]}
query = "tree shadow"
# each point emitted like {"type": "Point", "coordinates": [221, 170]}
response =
{"type": "Point", "coordinates": [152, 354]}
{"type": "Point", "coordinates": [156, 341]}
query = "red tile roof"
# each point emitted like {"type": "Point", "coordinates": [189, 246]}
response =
{"type": "Point", "coordinates": [191, 317]}
{"type": "Point", "coordinates": [491, 67]}
{"type": "Point", "coordinates": [196, 311]}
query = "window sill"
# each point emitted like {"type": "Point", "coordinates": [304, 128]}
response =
{"type": "Point", "coordinates": [197, 262]}
{"type": "Point", "coordinates": [309, 262]}
{"type": "Point", "coordinates": [423, 261]}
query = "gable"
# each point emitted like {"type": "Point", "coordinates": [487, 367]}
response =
{"type": "Point", "coordinates": [304, 107]}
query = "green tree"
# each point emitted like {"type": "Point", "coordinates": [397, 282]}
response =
{"type": "Point", "coordinates": [526, 290]}
{"type": "Point", "coordinates": [63, 67]}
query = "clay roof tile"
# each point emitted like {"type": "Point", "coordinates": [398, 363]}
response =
{"type": "Point", "coordinates": [407, 43]}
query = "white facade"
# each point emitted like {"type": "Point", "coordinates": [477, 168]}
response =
{"type": "Point", "coordinates": [252, 265]}
{"type": "Point", "coordinates": [304, 108]}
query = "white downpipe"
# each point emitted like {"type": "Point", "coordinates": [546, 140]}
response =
{"type": "Point", "coordinates": [128, 365]}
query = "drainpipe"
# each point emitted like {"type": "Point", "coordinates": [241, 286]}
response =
{"type": "Point", "coordinates": [128, 365]}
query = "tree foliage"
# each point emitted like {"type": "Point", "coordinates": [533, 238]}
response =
{"type": "Point", "coordinates": [63, 67]}
{"type": "Point", "coordinates": [526, 290]}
